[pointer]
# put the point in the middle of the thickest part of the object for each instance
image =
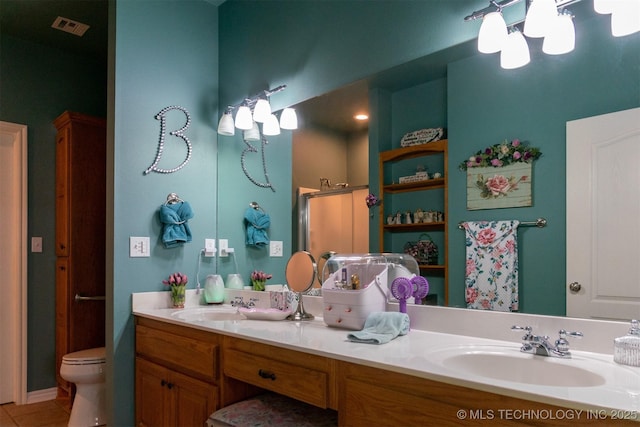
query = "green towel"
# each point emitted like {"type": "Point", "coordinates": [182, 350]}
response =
{"type": "Point", "coordinates": [381, 327]}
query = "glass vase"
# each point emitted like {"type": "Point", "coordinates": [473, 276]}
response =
{"type": "Point", "coordinates": [178, 295]}
{"type": "Point", "coordinates": [258, 285]}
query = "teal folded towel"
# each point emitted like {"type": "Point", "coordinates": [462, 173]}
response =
{"type": "Point", "coordinates": [381, 327]}
{"type": "Point", "coordinates": [176, 230]}
{"type": "Point", "coordinates": [257, 223]}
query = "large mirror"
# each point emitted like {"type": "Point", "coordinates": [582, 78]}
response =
{"type": "Point", "coordinates": [480, 105]}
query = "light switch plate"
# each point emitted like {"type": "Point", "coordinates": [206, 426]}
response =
{"type": "Point", "coordinates": [275, 248]}
{"type": "Point", "coordinates": [36, 244]}
{"type": "Point", "coordinates": [139, 247]}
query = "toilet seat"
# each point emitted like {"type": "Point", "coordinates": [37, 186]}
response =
{"type": "Point", "coordinates": [92, 356]}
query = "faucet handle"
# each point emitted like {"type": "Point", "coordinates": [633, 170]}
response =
{"type": "Point", "coordinates": [561, 343]}
{"type": "Point", "coordinates": [528, 330]}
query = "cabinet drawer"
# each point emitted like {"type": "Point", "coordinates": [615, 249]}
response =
{"type": "Point", "coordinates": [298, 382]}
{"type": "Point", "coordinates": [185, 354]}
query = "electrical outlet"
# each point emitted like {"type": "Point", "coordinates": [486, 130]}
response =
{"type": "Point", "coordinates": [209, 247]}
{"type": "Point", "coordinates": [139, 247]}
{"type": "Point", "coordinates": [36, 244]}
{"type": "Point", "coordinates": [275, 248]}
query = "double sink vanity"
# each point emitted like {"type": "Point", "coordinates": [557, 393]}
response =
{"type": "Point", "coordinates": [455, 366]}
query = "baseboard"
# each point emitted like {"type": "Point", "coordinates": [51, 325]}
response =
{"type": "Point", "coordinates": [42, 395]}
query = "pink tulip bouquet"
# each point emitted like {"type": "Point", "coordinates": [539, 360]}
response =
{"type": "Point", "coordinates": [259, 280]}
{"type": "Point", "coordinates": [178, 284]}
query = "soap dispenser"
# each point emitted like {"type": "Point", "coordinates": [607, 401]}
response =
{"type": "Point", "coordinates": [214, 289]}
{"type": "Point", "coordinates": [626, 349]}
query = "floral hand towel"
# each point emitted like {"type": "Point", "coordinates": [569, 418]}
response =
{"type": "Point", "coordinates": [491, 277]}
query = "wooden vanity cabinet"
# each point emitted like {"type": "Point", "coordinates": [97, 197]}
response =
{"type": "Point", "coordinates": [305, 377]}
{"type": "Point", "coordinates": [177, 374]}
{"type": "Point", "coordinates": [369, 396]}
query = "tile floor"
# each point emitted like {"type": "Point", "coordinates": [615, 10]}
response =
{"type": "Point", "coordinates": [51, 413]}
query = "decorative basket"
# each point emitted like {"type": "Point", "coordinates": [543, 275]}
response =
{"type": "Point", "coordinates": [424, 250]}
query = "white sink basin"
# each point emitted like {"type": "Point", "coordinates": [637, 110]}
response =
{"type": "Point", "coordinates": [264, 313]}
{"type": "Point", "coordinates": [510, 364]}
{"type": "Point", "coordinates": [204, 314]}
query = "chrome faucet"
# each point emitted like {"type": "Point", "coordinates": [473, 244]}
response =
{"type": "Point", "coordinates": [239, 302]}
{"type": "Point", "coordinates": [540, 345]}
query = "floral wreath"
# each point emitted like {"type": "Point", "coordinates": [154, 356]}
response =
{"type": "Point", "coordinates": [502, 154]}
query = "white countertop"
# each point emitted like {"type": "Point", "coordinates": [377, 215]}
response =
{"type": "Point", "coordinates": [418, 352]}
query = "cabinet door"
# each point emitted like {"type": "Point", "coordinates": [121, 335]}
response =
{"type": "Point", "coordinates": [153, 401]}
{"type": "Point", "coordinates": [194, 400]}
{"type": "Point", "coordinates": [62, 319]}
{"type": "Point", "coordinates": [63, 141]}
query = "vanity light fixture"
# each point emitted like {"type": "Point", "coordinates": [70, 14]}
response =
{"type": "Point", "coordinates": [255, 109]}
{"type": "Point", "coordinates": [625, 15]}
{"type": "Point", "coordinates": [543, 18]}
{"type": "Point", "coordinates": [252, 134]}
{"type": "Point", "coordinates": [271, 127]}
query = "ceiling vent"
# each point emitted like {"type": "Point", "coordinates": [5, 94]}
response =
{"type": "Point", "coordinates": [70, 26]}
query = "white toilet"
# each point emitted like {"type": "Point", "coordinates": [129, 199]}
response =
{"type": "Point", "coordinates": [86, 370]}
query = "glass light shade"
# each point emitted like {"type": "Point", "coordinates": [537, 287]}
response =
{"type": "Point", "coordinates": [252, 134]}
{"type": "Point", "coordinates": [539, 17]}
{"type": "Point", "coordinates": [493, 33]}
{"type": "Point", "coordinates": [515, 52]}
{"type": "Point", "coordinates": [289, 119]}
{"type": "Point", "coordinates": [261, 111]}
{"type": "Point", "coordinates": [625, 18]}
{"type": "Point", "coordinates": [244, 120]}
{"type": "Point", "coordinates": [604, 6]}
{"type": "Point", "coordinates": [271, 127]}
{"type": "Point", "coordinates": [562, 36]}
{"type": "Point", "coordinates": [225, 125]}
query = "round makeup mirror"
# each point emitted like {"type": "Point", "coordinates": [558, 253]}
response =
{"type": "Point", "coordinates": [301, 272]}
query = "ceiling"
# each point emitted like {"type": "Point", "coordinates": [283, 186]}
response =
{"type": "Point", "coordinates": [31, 20]}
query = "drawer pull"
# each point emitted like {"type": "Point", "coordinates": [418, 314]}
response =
{"type": "Point", "coordinates": [163, 383]}
{"type": "Point", "coordinates": [267, 375]}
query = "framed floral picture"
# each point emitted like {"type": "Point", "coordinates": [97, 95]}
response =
{"type": "Point", "coordinates": [500, 176]}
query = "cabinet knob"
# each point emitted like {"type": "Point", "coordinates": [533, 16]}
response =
{"type": "Point", "coordinates": [163, 383]}
{"type": "Point", "coordinates": [267, 375]}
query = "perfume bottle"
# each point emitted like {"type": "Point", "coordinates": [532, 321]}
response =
{"type": "Point", "coordinates": [626, 349]}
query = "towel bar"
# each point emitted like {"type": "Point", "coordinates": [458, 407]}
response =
{"type": "Point", "coordinates": [540, 223]}
{"type": "Point", "coordinates": [81, 298]}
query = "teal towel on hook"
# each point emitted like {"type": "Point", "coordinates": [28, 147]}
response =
{"type": "Point", "coordinates": [174, 218]}
{"type": "Point", "coordinates": [257, 223]}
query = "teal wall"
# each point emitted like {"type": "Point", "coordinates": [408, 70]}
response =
{"type": "Point", "coordinates": [487, 104]}
{"type": "Point", "coordinates": [166, 53]}
{"type": "Point", "coordinates": [37, 84]}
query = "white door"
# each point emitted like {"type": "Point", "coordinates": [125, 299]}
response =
{"type": "Point", "coordinates": [603, 216]}
{"type": "Point", "coordinates": [13, 262]}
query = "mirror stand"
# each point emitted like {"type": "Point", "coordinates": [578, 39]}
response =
{"type": "Point", "coordinates": [300, 314]}
{"type": "Point", "coordinates": [301, 272]}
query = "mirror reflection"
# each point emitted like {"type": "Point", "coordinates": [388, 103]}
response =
{"type": "Point", "coordinates": [480, 105]}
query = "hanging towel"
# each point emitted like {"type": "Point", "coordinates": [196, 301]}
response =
{"type": "Point", "coordinates": [257, 223]}
{"type": "Point", "coordinates": [174, 217]}
{"type": "Point", "coordinates": [491, 277]}
{"type": "Point", "coordinates": [381, 327]}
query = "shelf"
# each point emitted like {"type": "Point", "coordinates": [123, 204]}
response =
{"type": "Point", "coordinates": [428, 184]}
{"type": "Point", "coordinates": [433, 268]}
{"type": "Point", "coordinates": [415, 227]}
{"type": "Point", "coordinates": [437, 147]}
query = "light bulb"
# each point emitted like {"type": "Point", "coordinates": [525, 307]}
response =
{"type": "Point", "coordinates": [625, 18]}
{"type": "Point", "coordinates": [244, 120]}
{"type": "Point", "coordinates": [252, 134]}
{"type": "Point", "coordinates": [261, 111]}
{"type": "Point", "coordinates": [289, 119]}
{"type": "Point", "coordinates": [493, 33]}
{"type": "Point", "coordinates": [271, 127]}
{"type": "Point", "coordinates": [515, 53]}
{"type": "Point", "coordinates": [539, 17]}
{"type": "Point", "coordinates": [225, 125]}
{"type": "Point", "coordinates": [604, 6]}
{"type": "Point", "coordinates": [562, 36]}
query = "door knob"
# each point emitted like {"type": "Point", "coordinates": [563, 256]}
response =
{"type": "Point", "coordinates": [575, 286]}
